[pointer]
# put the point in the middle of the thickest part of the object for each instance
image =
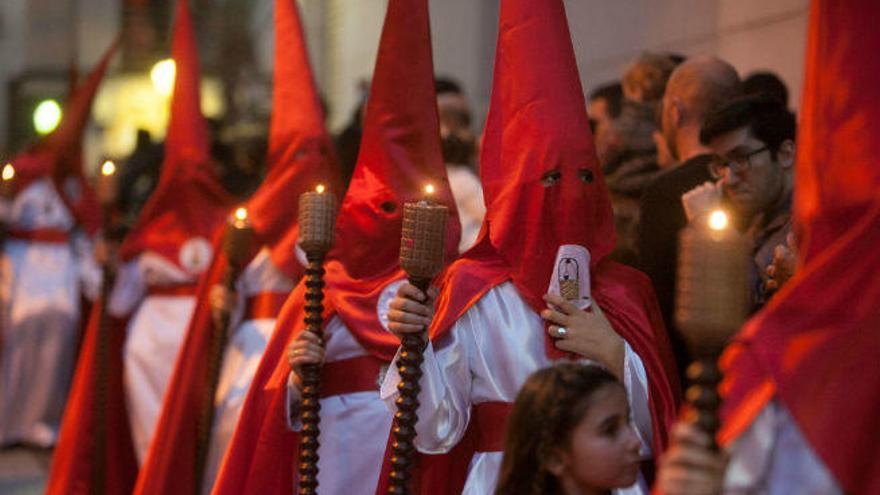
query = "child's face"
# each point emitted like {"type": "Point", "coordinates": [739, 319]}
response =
{"type": "Point", "coordinates": [604, 449]}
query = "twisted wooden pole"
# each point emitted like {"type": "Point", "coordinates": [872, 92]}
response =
{"type": "Point", "coordinates": [409, 367]}
{"type": "Point", "coordinates": [237, 243]}
{"type": "Point", "coordinates": [422, 244]}
{"type": "Point", "coordinates": [310, 408]}
{"type": "Point", "coordinates": [317, 221]}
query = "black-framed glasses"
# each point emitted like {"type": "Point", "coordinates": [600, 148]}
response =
{"type": "Point", "coordinates": [738, 163]}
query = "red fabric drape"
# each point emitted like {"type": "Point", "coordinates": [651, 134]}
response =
{"type": "Point", "coordinates": [812, 346]}
{"type": "Point", "coordinates": [73, 469]}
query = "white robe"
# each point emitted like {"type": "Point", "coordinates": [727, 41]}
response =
{"type": "Point", "coordinates": [242, 357]}
{"type": "Point", "coordinates": [155, 334]}
{"type": "Point", "coordinates": [486, 357]}
{"type": "Point", "coordinates": [354, 427]}
{"type": "Point", "coordinates": [40, 291]}
{"type": "Point", "coordinates": [772, 458]}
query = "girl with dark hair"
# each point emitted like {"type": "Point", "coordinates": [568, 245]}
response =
{"type": "Point", "coordinates": [570, 434]}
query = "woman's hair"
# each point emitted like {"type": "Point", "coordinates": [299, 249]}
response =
{"type": "Point", "coordinates": [547, 409]}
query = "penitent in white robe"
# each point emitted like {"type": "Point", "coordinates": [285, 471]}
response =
{"type": "Point", "coordinates": [354, 427]}
{"type": "Point", "coordinates": [486, 357]}
{"type": "Point", "coordinates": [773, 458]}
{"type": "Point", "coordinates": [242, 357]}
{"type": "Point", "coordinates": [39, 319]}
{"type": "Point", "coordinates": [155, 334]}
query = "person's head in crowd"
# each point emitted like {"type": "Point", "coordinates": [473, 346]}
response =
{"type": "Point", "coordinates": [767, 83]}
{"type": "Point", "coordinates": [456, 132]}
{"type": "Point", "coordinates": [604, 108]}
{"type": "Point", "coordinates": [569, 433]}
{"type": "Point", "coordinates": [644, 80]}
{"type": "Point", "coordinates": [696, 87]}
{"type": "Point", "coordinates": [752, 139]}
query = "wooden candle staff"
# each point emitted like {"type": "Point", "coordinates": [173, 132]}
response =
{"type": "Point", "coordinates": [106, 190]}
{"type": "Point", "coordinates": [7, 184]}
{"type": "Point", "coordinates": [712, 305]}
{"type": "Point", "coordinates": [317, 222]}
{"type": "Point", "coordinates": [422, 244]}
{"type": "Point", "coordinates": [238, 240]}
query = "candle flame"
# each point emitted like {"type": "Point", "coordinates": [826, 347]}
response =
{"type": "Point", "coordinates": [718, 220]}
{"type": "Point", "coordinates": [108, 168]}
{"type": "Point", "coordinates": [241, 214]}
{"type": "Point", "coordinates": [320, 189]}
{"type": "Point", "coordinates": [429, 189]}
{"type": "Point", "coordinates": [8, 172]}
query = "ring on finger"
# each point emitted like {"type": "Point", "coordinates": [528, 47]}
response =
{"type": "Point", "coordinates": [561, 332]}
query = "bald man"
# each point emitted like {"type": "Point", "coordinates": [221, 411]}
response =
{"type": "Point", "coordinates": [695, 89]}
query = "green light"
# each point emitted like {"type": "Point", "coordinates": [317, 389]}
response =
{"type": "Point", "coordinates": [47, 116]}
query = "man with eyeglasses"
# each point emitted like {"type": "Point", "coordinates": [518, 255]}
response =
{"type": "Point", "coordinates": [695, 89]}
{"type": "Point", "coordinates": [752, 141]}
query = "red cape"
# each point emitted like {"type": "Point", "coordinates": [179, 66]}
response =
{"type": "Point", "coordinates": [73, 467]}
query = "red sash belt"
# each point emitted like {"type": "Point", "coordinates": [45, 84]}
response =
{"type": "Point", "coordinates": [264, 305]}
{"type": "Point", "coordinates": [358, 374]}
{"type": "Point", "coordinates": [172, 290]}
{"type": "Point", "coordinates": [490, 423]}
{"type": "Point", "coordinates": [49, 236]}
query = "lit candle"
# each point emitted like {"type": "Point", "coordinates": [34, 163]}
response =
{"type": "Point", "coordinates": [423, 236]}
{"type": "Point", "coordinates": [8, 175]}
{"type": "Point", "coordinates": [238, 238]}
{"type": "Point", "coordinates": [712, 282]}
{"type": "Point", "coordinates": [317, 220]}
{"type": "Point", "coordinates": [106, 189]}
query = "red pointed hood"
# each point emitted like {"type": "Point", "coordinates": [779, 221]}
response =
{"type": "Point", "coordinates": [188, 203]}
{"type": "Point", "coordinates": [400, 149]}
{"type": "Point", "coordinates": [66, 140]}
{"type": "Point", "coordinates": [60, 153]}
{"type": "Point", "coordinates": [399, 155]}
{"type": "Point", "coordinates": [813, 347]}
{"type": "Point", "coordinates": [300, 150]}
{"type": "Point", "coordinates": [541, 179]}
{"type": "Point", "coordinates": [543, 190]}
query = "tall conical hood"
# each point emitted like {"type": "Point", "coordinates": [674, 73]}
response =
{"type": "Point", "coordinates": [300, 150]}
{"type": "Point", "coordinates": [66, 140]}
{"type": "Point", "coordinates": [541, 179]}
{"type": "Point", "coordinates": [188, 202]}
{"type": "Point", "coordinates": [400, 149]}
{"type": "Point", "coordinates": [59, 155]}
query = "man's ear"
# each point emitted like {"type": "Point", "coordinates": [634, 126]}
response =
{"type": "Point", "coordinates": [676, 112]}
{"type": "Point", "coordinates": [785, 154]}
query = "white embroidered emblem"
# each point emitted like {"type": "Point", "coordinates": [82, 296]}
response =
{"type": "Point", "coordinates": [195, 255]}
{"type": "Point", "coordinates": [571, 275]}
